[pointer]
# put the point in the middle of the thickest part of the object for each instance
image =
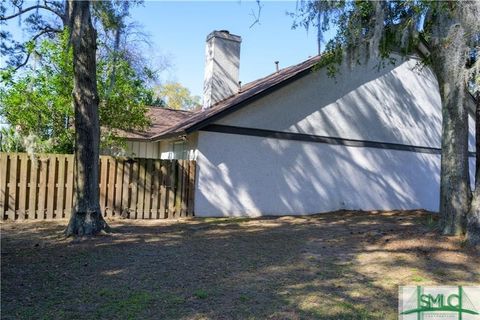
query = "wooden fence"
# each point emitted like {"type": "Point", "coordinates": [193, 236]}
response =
{"type": "Point", "coordinates": [42, 187]}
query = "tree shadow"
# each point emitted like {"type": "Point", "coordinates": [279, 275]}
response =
{"type": "Point", "coordinates": [245, 175]}
{"type": "Point", "coordinates": [341, 265]}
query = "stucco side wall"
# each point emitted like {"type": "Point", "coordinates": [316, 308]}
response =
{"type": "Point", "coordinates": [250, 176]}
{"type": "Point", "coordinates": [396, 104]}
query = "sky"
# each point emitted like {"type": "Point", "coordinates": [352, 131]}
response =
{"type": "Point", "coordinates": [177, 31]}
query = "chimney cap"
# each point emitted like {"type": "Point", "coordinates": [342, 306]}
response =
{"type": "Point", "coordinates": [224, 34]}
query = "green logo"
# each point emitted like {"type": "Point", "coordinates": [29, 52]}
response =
{"type": "Point", "coordinates": [442, 302]}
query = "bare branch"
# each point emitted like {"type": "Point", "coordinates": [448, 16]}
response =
{"type": "Point", "coordinates": [24, 62]}
{"type": "Point", "coordinates": [34, 38]}
{"type": "Point", "coordinates": [256, 15]}
{"type": "Point", "coordinates": [29, 9]}
{"type": "Point", "coordinates": [45, 31]}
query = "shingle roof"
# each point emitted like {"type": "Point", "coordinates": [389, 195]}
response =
{"type": "Point", "coordinates": [161, 119]}
{"type": "Point", "coordinates": [175, 123]}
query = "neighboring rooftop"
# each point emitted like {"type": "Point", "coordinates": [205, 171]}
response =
{"type": "Point", "coordinates": [161, 119]}
{"type": "Point", "coordinates": [168, 123]}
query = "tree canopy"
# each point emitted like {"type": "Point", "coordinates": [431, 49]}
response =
{"type": "Point", "coordinates": [37, 82]}
{"type": "Point", "coordinates": [176, 96]}
{"type": "Point", "coordinates": [74, 20]}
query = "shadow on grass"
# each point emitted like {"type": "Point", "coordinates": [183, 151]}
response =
{"type": "Point", "coordinates": [343, 265]}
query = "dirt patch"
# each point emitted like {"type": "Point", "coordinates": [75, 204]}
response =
{"type": "Point", "coordinates": [340, 265]}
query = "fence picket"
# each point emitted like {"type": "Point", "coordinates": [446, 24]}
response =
{"type": "Point", "coordinates": [22, 186]}
{"type": "Point", "coordinates": [179, 191]}
{"type": "Point", "coordinates": [126, 186]}
{"type": "Point", "coordinates": [32, 188]}
{"type": "Point", "coordinates": [103, 183]}
{"type": "Point", "coordinates": [111, 186]}
{"type": "Point", "coordinates": [141, 189]}
{"type": "Point", "coordinates": [52, 166]}
{"type": "Point", "coordinates": [185, 186]}
{"type": "Point", "coordinates": [60, 187]}
{"type": "Point", "coordinates": [117, 208]}
{"type": "Point", "coordinates": [12, 187]}
{"type": "Point", "coordinates": [69, 186]}
{"type": "Point", "coordinates": [42, 187]}
{"type": "Point", "coordinates": [163, 189]}
{"type": "Point", "coordinates": [3, 184]}
{"type": "Point", "coordinates": [155, 188]}
{"type": "Point", "coordinates": [191, 188]}
{"type": "Point", "coordinates": [134, 191]}
{"type": "Point", "coordinates": [148, 189]}
{"type": "Point", "coordinates": [171, 189]}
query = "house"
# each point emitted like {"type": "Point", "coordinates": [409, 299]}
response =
{"type": "Point", "coordinates": [301, 142]}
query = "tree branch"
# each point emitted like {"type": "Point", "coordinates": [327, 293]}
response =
{"type": "Point", "coordinates": [44, 31]}
{"type": "Point", "coordinates": [5, 18]}
{"type": "Point", "coordinates": [256, 16]}
{"type": "Point", "coordinates": [34, 38]}
{"type": "Point", "coordinates": [24, 62]}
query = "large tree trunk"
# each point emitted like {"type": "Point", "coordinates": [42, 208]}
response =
{"type": "Point", "coordinates": [448, 57]}
{"type": "Point", "coordinates": [473, 219]}
{"type": "Point", "coordinates": [86, 217]}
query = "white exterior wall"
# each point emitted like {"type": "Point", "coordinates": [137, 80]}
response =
{"type": "Point", "coordinates": [162, 149]}
{"type": "Point", "coordinates": [290, 177]}
{"type": "Point", "coordinates": [244, 175]}
{"type": "Point", "coordinates": [142, 149]}
{"type": "Point", "coordinates": [396, 104]}
{"type": "Point", "coordinates": [190, 148]}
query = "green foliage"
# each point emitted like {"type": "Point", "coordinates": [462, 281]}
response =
{"type": "Point", "coordinates": [10, 141]}
{"type": "Point", "coordinates": [177, 96]}
{"type": "Point", "coordinates": [331, 59]}
{"type": "Point", "coordinates": [38, 101]}
{"type": "Point", "coordinates": [357, 30]}
{"type": "Point", "coordinates": [123, 98]}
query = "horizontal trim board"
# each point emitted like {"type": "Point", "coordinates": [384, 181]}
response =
{"type": "Point", "coordinates": [320, 139]}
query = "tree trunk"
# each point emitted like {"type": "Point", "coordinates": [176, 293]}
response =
{"type": "Point", "coordinates": [86, 217]}
{"type": "Point", "coordinates": [448, 56]}
{"type": "Point", "coordinates": [473, 218]}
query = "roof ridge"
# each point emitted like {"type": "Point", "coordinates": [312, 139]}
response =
{"type": "Point", "coordinates": [254, 89]}
{"type": "Point", "coordinates": [259, 81]}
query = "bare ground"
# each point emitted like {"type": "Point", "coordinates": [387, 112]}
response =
{"type": "Point", "coordinates": [341, 265]}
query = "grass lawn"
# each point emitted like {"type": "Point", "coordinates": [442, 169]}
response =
{"type": "Point", "coordinates": [342, 265]}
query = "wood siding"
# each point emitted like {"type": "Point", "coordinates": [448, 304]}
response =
{"type": "Point", "coordinates": [42, 187]}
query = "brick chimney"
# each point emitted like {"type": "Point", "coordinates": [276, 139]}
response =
{"type": "Point", "coordinates": [222, 63]}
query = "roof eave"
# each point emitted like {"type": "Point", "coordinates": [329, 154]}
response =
{"type": "Point", "coordinates": [201, 124]}
{"type": "Point", "coordinates": [146, 139]}
{"type": "Point", "coordinates": [168, 135]}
